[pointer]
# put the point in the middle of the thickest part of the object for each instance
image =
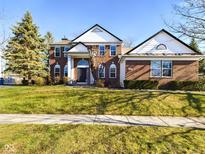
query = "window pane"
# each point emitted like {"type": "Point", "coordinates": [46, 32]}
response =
{"type": "Point", "coordinates": [156, 64]}
{"type": "Point", "coordinates": [57, 69]}
{"type": "Point", "coordinates": [112, 75]}
{"type": "Point", "coordinates": [101, 71]}
{"type": "Point", "coordinates": [113, 50]}
{"type": "Point", "coordinates": [167, 72]}
{"type": "Point", "coordinates": [156, 72]}
{"type": "Point", "coordinates": [102, 49]}
{"type": "Point", "coordinates": [57, 52]}
{"type": "Point", "coordinates": [166, 64]}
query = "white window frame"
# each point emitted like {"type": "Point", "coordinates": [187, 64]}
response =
{"type": "Point", "coordinates": [65, 69]}
{"type": "Point", "coordinates": [55, 52]}
{"type": "Point", "coordinates": [115, 49]}
{"type": "Point", "coordinates": [166, 68]}
{"type": "Point", "coordinates": [57, 66]}
{"type": "Point", "coordinates": [152, 69]}
{"type": "Point", "coordinates": [114, 66]}
{"type": "Point", "coordinates": [101, 65]}
{"type": "Point", "coordinates": [100, 50]}
{"type": "Point", "coordinates": [161, 69]}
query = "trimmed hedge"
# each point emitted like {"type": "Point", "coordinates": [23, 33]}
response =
{"type": "Point", "coordinates": [141, 84]}
{"type": "Point", "coordinates": [172, 85]}
{"type": "Point", "coordinates": [184, 85]}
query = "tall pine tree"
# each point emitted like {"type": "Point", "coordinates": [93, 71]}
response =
{"type": "Point", "coordinates": [24, 52]}
{"type": "Point", "coordinates": [48, 39]}
{"type": "Point", "coordinates": [195, 46]}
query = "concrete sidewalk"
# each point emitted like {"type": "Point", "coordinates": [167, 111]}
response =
{"type": "Point", "coordinates": [194, 122]}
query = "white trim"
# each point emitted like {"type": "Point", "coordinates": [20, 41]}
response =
{"type": "Point", "coordinates": [114, 66]}
{"type": "Point", "coordinates": [55, 52]}
{"type": "Point", "coordinates": [104, 43]}
{"type": "Point", "coordinates": [115, 50]}
{"type": "Point", "coordinates": [161, 69]}
{"type": "Point", "coordinates": [122, 73]}
{"type": "Point", "coordinates": [65, 69]}
{"type": "Point", "coordinates": [72, 69]}
{"type": "Point", "coordinates": [184, 58]}
{"type": "Point", "coordinates": [99, 72]}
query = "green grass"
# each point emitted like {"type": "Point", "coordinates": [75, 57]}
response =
{"type": "Point", "coordinates": [68, 100]}
{"type": "Point", "coordinates": [60, 139]}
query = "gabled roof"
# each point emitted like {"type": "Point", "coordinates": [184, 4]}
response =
{"type": "Point", "coordinates": [79, 43]}
{"type": "Point", "coordinates": [97, 25]}
{"type": "Point", "coordinates": [163, 30]}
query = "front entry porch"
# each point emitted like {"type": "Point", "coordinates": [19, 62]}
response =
{"type": "Point", "coordinates": [79, 70]}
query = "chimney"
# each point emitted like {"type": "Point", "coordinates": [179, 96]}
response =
{"type": "Point", "coordinates": [64, 39]}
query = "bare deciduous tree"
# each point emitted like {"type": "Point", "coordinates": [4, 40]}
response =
{"type": "Point", "coordinates": [192, 19]}
{"type": "Point", "coordinates": [128, 42]}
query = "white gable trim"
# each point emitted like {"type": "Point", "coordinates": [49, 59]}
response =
{"type": "Point", "coordinates": [99, 36]}
{"type": "Point", "coordinates": [78, 48]}
{"type": "Point", "coordinates": [173, 45]}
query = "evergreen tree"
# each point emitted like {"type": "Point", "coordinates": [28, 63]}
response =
{"type": "Point", "coordinates": [24, 52]}
{"type": "Point", "coordinates": [48, 39]}
{"type": "Point", "coordinates": [195, 46]}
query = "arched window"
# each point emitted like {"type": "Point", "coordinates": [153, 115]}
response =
{"type": "Point", "coordinates": [161, 47]}
{"type": "Point", "coordinates": [83, 64]}
{"type": "Point", "coordinates": [66, 71]}
{"type": "Point", "coordinates": [112, 71]}
{"type": "Point", "coordinates": [101, 71]}
{"type": "Point", "coordinates": [57, 70]}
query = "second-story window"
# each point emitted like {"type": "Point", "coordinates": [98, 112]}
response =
{"type": "Point", "coordinates": [57, 52]}
{"type": "Point", "coordinates": [112, 50]}
{"type": "Point", "coordinates": [102, 50]}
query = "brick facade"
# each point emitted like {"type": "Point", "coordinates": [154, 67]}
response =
{"type": "Point", "coordinates": [62, 61]}
{"type": "Point", "coordinates": [106, 60]}
{"type": "Point", "coordinates": [182, 70]}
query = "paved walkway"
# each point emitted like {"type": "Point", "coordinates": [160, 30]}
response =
{"type": "Point", "coordinates": [193, 122]}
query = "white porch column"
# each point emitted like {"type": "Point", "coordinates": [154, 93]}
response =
{"type": "Point", "coordinates": [69, 67]}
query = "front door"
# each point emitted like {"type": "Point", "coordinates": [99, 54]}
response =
{"type": "Point", "coordinates": [82, 74]}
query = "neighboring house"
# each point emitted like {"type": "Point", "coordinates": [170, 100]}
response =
{"type": "Point", "coordinates": [98, 54]}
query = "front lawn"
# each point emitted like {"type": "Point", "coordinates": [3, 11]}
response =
{"type": "Point", "coordinates": [68, 100]}
{"type": "Point", "coordinates": [78, 139]}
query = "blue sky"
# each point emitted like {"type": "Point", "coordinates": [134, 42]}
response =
{"type": "Point", "coordinates": [135, 19]}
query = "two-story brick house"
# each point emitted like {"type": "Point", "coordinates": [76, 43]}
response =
{"type": "Point", "coordinates": [98, 54]}
{"type": "Point", "coordinates": [89, 57]}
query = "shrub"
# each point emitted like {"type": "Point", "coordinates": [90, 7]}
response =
{"type": "Point", "coordinates": [24, 82]}
{"type": "Point", "coordinates": [40, 81]}
{"type": "Point", "coordinates": [184, 85]}
{"type": "Point", "coordinates": [58, 80]}
{"type": "Point", "coordinates": [65, 80]}
{"type": "Point", "coordinates": [141, 84]}
{"type": "Point", "coordinates": [100, 83]}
